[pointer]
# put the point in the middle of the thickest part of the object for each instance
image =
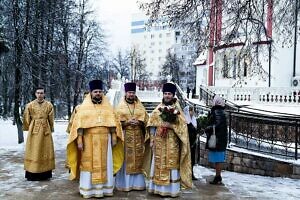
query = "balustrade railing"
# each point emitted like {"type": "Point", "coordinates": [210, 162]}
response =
{"type": "Point", "coordinates": [272, 133]}
{"type": "Point", "coordinates": [274, 95]}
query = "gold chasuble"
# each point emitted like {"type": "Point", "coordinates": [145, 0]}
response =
{"type": "Point", "coordinates": [171, 152]}
{"type": "Point", "coordinates": [72, 118]}
{"type": "Point", "coordinates": [38, 120]}
{"type": "Point", "coordinates": [134, 135]}
{"type": "Point", "coordinates": [97, 121]}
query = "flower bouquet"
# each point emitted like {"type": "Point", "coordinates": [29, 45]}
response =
{"type": "Point", "coordinates": [168, 114]}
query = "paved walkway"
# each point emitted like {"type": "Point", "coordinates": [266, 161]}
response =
{"type": "Point", "coordinates": [14, 186]}
{"type": "Point", "coordinates": [237, 186]}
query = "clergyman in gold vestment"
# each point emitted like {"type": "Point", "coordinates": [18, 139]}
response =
{"type": "Point", "coordinates": [95, 144]}
{"type": "Point", "coordinates": [133, 117]}
{"type": "Point", "coordinates": [38, 120]}
{"type": "Point", "coordinates": [74, 113]}
{"type": "Point", "coordinates": [168, 168]}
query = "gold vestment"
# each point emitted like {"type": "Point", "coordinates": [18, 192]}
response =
{"type": "Point", "coordinates": [97, 121]}
{"type": "Point", "coordinates": [38, 120]}
{"type": "Point", "coordinates": [134, 135]}
{"type": "Point", "coordinates": [172, 152]}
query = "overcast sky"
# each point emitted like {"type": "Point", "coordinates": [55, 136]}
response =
{"type": "Point", "coordinates": [115, 16]}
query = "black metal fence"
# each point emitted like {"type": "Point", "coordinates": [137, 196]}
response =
{"type": "Point", "coordinates": [273, 133]}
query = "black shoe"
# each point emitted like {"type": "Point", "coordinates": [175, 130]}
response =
{"type": "Point", "coordinates": [217, 180]}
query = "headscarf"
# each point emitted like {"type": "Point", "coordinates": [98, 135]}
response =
{"type": "Point", "coordinates": [188, 117]}
{"type": "Point", "coordinates": [218, 101]}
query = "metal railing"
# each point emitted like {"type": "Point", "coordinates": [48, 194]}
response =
{"type": "Point", "coordinates": [273, 135]}
{"type": "Point", "coordinates": [199, 109]}
{"type": "Point", "coordinates": [268, 132]}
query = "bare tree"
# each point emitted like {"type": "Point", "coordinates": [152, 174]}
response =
{"type": "Point", "coordinates": [121, 64]}
{"type": "Point", "coordinates": [17, 64]}
{"type": "Point", "coordinates": [49, 48]}
{"type": "Point", "coordinates": [138, 66]}
{"type": "Point", "coordinates": [217, 23]}
{"type": "Point", "coordinates": [171, 67]}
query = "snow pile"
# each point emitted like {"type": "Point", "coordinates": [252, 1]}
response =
{"type": "Point", "coordinates": [253, 186]}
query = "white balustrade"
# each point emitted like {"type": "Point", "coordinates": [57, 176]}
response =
{"type": "Point", "coordinates": [149, 96]}
{"type": "Point", "coordinates": [279, 95]}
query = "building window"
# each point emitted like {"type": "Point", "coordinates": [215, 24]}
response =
{"type": "Point", "coordinates": [152, 36]}
{"type": "Point", "coordinates": [168, 34]}
{"type": "Point", "coordinates": [225, 67]}
{"type": "Point", "coordinates": [160, 35]}
{"type": "Point", "coordinates": [138, 30]}
{"type": "Point", "coordinates": [234, 67]}
{"type": "Point", "coordinates": [137, 23]}
{"type": "Point", "coordinates": [245, 68]}
{"type": "Point", "coordinates": [177, 33]}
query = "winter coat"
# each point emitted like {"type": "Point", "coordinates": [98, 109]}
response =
{"type": "Point", "coordinates": [192, 133]}
{"type": "Point", "coordinates": [218, 119]}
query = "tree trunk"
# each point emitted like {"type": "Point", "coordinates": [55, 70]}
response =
{"type": "Point", "coordinates": [5, 94]}
{"type": "Point", "coordinates": [67, 70]}
{"type": "Point", "coordinates": [35, 68]}
{"type": "Point", "coordinates": [78, 77]}
{"type": "Point", "coordinates": [18, 75]}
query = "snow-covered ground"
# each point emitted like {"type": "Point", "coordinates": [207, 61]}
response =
{"type": "Point", "coordinates": [254, 186]}
{"type": "Point", "coordinates": [243, 186]}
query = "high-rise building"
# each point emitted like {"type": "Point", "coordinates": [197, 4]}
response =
{"type": "Point", "coordinates": [155, 42]}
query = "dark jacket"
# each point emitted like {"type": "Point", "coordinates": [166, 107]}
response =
{"type": "Point", "coordinates": [192, 133]}
{"type": "Point", "coordinates": [218, 118]}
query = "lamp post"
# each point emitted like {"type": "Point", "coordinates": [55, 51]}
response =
{"type": "Point", "coordinates": [270, 57]}
{"type": "Point", "coordinates": [295, 39]}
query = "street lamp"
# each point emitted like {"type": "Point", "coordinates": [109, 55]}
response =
{"type": "Point", "coordinates": [295, 39]}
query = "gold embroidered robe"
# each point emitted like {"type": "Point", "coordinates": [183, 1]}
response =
{"type": "Point", "coordinates": [134, 135]}
{"type": "Point", "coordinates": [97, 121]}
{"type": "Point", "coordinates": [72, 118]}
{"type": "Point", "coordinates": [172, 152]}
{"type": "Point", "coordinates": [38, 120]}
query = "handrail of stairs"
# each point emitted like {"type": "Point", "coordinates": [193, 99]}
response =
{"type": "Point", "coordinates": [199, 109]}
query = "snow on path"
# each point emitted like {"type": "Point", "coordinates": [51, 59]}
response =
{"type": "Point", "coordinates": [244, 186]}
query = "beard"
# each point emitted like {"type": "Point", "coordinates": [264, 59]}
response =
{"type": "Point", "coordinates": [129, 100]}
{"type": "Point", "coordinates": [168, 103]}
{"type": "Point", "coordinates": [97, 100]}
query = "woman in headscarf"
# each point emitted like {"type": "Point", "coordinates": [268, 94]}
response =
{"type": "Point", "coordinates": [192, 129]}
{"type": "Point", "coordinates": [218, 121]}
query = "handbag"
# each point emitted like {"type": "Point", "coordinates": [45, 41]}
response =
{"type": "Point", "coordinates": [213, 139]}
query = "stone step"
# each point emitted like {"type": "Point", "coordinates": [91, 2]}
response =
{"type": "Point", "coordinates": [150, 106]}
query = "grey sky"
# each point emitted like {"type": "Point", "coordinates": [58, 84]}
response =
{"type": "Point", "coordinates": [115, 16]}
